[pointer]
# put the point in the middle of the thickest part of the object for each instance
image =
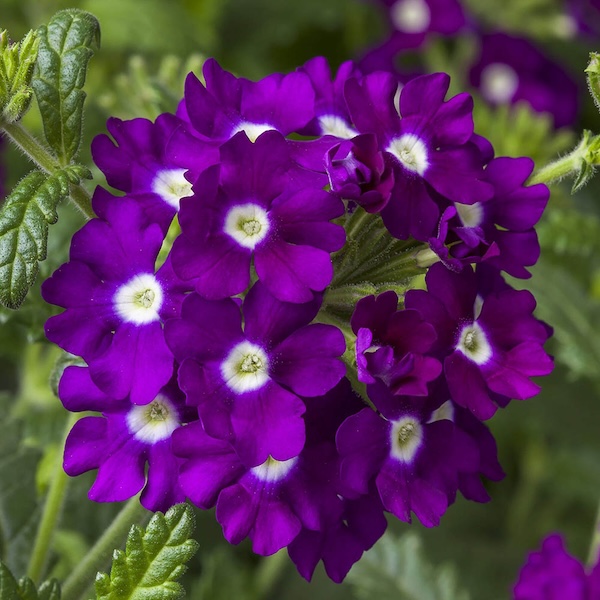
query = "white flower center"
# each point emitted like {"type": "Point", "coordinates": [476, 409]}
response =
{"type": "Point", "coordinates": [444, 413]}
{"type": "Point", "coordinates": [246, 368]}
{"type": "Point", "coordinates": [172, 186]}
{"type": "Point", "coordinates": [406, 437]}
{"type": "Point", "coordinates": [273, 470]}
{"type": "Point", "coordinates": [334, 125]}
{"type": "Point", "coordinates": [139, 300]}
{"type": "Point", "coordinates": [473, 343]}
{"type": "Point", "coordinates": [252, 130]}
{"type": "Point", "coordinates": [153, 422]}
{"type": "Point", "coordinates": [411, 16]}
{"type": "Point", "coordinates": [411, 151]}
{"type": "Point", "coordinates": [565, 26]}
{"type": "Point", "coordinates": [499, 82]}
{"type": "Point", "coordinates": [247, 224]}
{"type": "Point", "coordinates": [471, 215]}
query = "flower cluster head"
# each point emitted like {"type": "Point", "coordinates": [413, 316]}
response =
{"type": "Point", "coordinates": [552, 572]}
{"type": "Point", "coordinates": [252, 316]}
{"type": "Point", "coordinates": [505, 69]}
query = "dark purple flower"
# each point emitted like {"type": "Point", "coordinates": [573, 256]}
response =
{"type": "Point", "coordinates": [358, 171]}
{"type": "Point", "coordinates": [412, 454]}
{"type": "Point", "coordinates": [270, 503]}
{"type": "Point", "coordinates": [392, 344]}
{"type": "Point", "coordinates": [116, 302]}
{"type": "Point", "coordinates": [499, 230]}
{"type": "Point", "coordinates": [489, 340]}
{"type": "Point", "coordinates": [227, 105]}
{"type": "Point", "coordinates": [331, 112]}
{"type": "Point", "coordinates": [258, 205]}
{"type": "Point", "coordinates": [553, 574]}
{"type": "Point", "coordinates": [247, 382]}
{"type": "Point", "coordinates": [579, 16]}
{"type": "Point", "coordinates": [123, 440]}
{"type": "Point", "coordinates": [512, 69]}
{"type": "Point", "coordinates": [352, 527]}
{"type": "Point", "coordinates": [141, 163]}
{"type": "Point", "coordinates": [429, 147]}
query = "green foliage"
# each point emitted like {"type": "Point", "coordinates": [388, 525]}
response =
{"type": "Point", "coordinates": [563, 302]}
{"type": "Point", "coordinates": [569, 232]}
{"type": "Point", "coordinates": [538, 18]}
{"type": "Point", "coordinates": [153, 559]}
{"type": "Point", "coordinates": [66, 45]}
{"type": "Point", "coordinates": [25, 589]}
{"type": "Point", "coordinates": [139, 92]}
{"type": "Point", "coordinates": [16, 68]}
{"type": "Point", "coordinates": [593, 78]}
{"type": "Point", "coordinates": [224, 577]}
{"type": "Point", "coordinates": [24, 220]}
{"type": "Point", "coordinates": [18, 498]}
{"type": "Point", "coordinates": [395, 569]}
{"type": "Point", "coordinates": [519, 131]}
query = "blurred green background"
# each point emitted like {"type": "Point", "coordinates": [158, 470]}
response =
{"type": "Point", "coordinates": [549, 446]}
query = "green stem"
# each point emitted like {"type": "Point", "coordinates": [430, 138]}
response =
{"type": "Point", "coordinates": [98, 557]}
{"type": "Point", "coordinates": [47, 162]}
{"type": "Point", "coordinates": [594, 551]}
{"type": "Point", "coordinates": [567, 165]}
{"type": "Point", "coordinates": [50, 514]}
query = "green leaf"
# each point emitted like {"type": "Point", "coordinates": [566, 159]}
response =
{"type": "Point", "coordinates": [24, 220]}
{"type": "Point", "coordinates": [395, 569]}
{"type": "Point", "coordinates": [153, 559]}
{"type": "Point", "coordinates": [66, 45]}
{"type": "Point", "coordinates": [17, 62]}
{"type": "Point", "coordinates": [563, 302]}
{"type": "Point", "coordinates": [25, 589]}
{"type": "Point", "coordinates": [19, 509]}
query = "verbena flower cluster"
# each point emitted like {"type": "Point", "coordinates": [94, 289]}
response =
{"type": "Point", "coordinates": [257, 331]}
{"type": "Point", "coordinates": [504, 68]}
{"type": "Point", "coordinates": [551, 573]}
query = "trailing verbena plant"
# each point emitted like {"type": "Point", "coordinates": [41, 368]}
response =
{"type": "Point", "coordinates": [295, 304]}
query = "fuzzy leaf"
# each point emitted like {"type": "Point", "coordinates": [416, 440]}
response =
{"type": "Point", "coordinates": [66, 45]}
{"type": "Point", "coordinates": [17, 62]}
{"type": "Point", "coordinates": [25, 589]}
{"type": "Point", "coordinates": [153, 559]}
{"type": "Point", "coordinates": [395, 569]}
{"type": "Point", "coordinates": [24, 220]}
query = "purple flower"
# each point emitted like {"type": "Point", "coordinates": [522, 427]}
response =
{"type": "Point", "coordinates": [247, 382]}
{"type": "Point", "coordinates": [412, 454]}
{"type": "Point", "coordinates": [553, 574]}
{"type": "Point", "coordinates": [141, 163]}
{"type": "Point", "coordinates": [355, 525]}
{"type": "Point", "coordinates": [331, 112]}
{"type": "Point", "coordinates": [429, 148]}
{"type": "Point", "coordinates": [489, 340]}
{"type": "Point", "coordinates": [358, 171]}
{"type": "Point", "coordinates": [512, 69]}
{"type": "Point", "coordinates": [412, 19]}
{"type": "Point", "coordinates": [115, 301]}
{"type": "Point", "coordinates": [122, 441]}
{"type": "Point", "coordinates": [499, 230]}
{"type": "Point", "coordinates": [579, 16]}
{"type": "Point", "coordinates": [391, 345]}
{"type": "Point", "coordinates": [228, 105]}
{"type": "Point", "coordinates": [258, 205]}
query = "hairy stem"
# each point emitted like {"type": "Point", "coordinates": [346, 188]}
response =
{"type": "Point", "coordinates": [42, 157]}
{"type": "Point", "coordinates": [567, 165]}
{"type": "Point", "coordinates": [98, 557]}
